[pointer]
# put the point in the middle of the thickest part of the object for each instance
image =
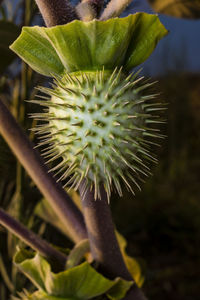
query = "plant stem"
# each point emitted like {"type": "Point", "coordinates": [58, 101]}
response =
{"type": "Point", "coordinates": [103, 242]}
{"type": "Point", "coordinates": [114, 9]}
{"type": "Point", "coordinates": [56, 12]}
{"type": "Point", "coordinates": [89, 9]}
{"type": "Point", "coordinates": [62, 204]}
{"type": "Point", "coordinates": [85, 11]}
{"type": "Point", "coordinates": [97, 5]}
{"type": "Point", "coordinates": [32, 240]}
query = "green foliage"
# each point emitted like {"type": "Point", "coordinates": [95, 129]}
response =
{"type": "Point", "coordinates": [8, 33]}
{"type": "Point", "coordinates": [131, 263]}
{"type": "Point", "coordinates": [44, 211]}
{"type": "Point", "coordinates": [177, 8]}
{"type": "Point", "coordinates": [80, 282]}
{"type": "Point", "coordinates": [121, 41]}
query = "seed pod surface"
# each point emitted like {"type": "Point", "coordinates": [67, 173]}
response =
{"type": "Point", "coordinates": [98, 124]}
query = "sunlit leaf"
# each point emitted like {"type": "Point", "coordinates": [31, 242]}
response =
{"type": "Point", "coordinates": [8, 33]}
{"type": "Point", "coordinates": [131, 263]}
{"type": "Point", "coordinates": [177, 8]}
{"type": "Point", "coordinates": [119, 290]}
{"type": "Point", "coordinates": [90, 45]}
{"type": "Point", "coordinates": [81, 282]}
{"type": "Point", "coordinates": [148, 30]}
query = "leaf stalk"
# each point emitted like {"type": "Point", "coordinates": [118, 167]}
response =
{"type": "Point", "coordinates": [32, 240]}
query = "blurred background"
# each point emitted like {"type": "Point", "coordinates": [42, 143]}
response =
{"type": "Point", "coordinates": [161, 223]}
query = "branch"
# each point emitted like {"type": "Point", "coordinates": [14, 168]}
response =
{"type": "Point", "coordinates": [114, 9]}
{"type": "Point", "coordinates": [62, 204]}
{"type": "Point", "coordinates": [87, 10]}
{"type": "Point", "coordinates": [103, 243]}
{"type": "Point", "coordinates": [97, 5]}
{"type": "Point", "coordinates": [32, 240]}
{"type": "Point", "coordinates": [56, 12]}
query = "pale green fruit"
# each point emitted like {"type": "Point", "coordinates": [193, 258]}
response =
{"type": "Point", "coordinates": [99, 124]}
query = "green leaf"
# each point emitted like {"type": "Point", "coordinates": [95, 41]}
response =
{"type": "Point", "coordinates": [131, 263]}
{"type": "Point", "coordinates": [34, 266]}
{"type": "Point", "coordinates": [90, 45]}
{"type": "Point", "coordinates": [177, 8]}
{"type": "Point", "coordinates": [119, 290]}
{"type": "Point", "coordinates": [77, 253]}
{"type": "Point", "coordinates": [35, 49]}
{"type": "Point", "coordinates": [8, 33]}
{"type": "Point", "coordinates": [39, 295]}
{"type": "Point", "coordinates": [148, 30]}
{"type": "Point", "coordinates": [45, 212]}
{"type": "Point", "coordinates": [80, 282]}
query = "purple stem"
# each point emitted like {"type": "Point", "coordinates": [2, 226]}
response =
{"type": "Point", "coordinates": [61, 203]}
{"type": "Point", "coordinates": [32, 240]}
{"type": "Point", "coordinates": [56, 12]}
{"type": "Point", "coordinates": [103, 243]}
{"type": "Point", "coordinates": [97, 5]}
{"type": "Point", "coordinates": [101, 233]}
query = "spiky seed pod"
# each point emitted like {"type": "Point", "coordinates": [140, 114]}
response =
{"type": "Point", "coordinates": [98, 123]}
